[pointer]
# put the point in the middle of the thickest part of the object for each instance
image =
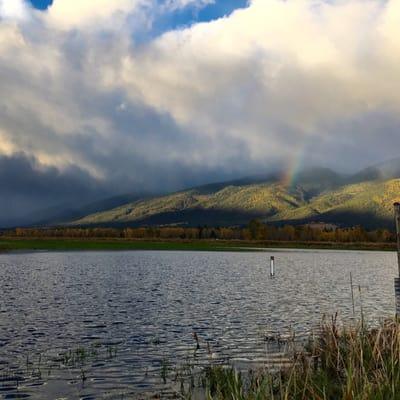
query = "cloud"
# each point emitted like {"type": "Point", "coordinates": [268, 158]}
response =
{"type": "Point", "coordinates": [267, 84]}
{"type": "Point", "coordinates": [27, 187]}
{"type": "Point", "coordinates": [111, 15]}
{"type": "Point", "coordinates": [13, 9]}
{"type": "Point", "coordinates": [275, 73]}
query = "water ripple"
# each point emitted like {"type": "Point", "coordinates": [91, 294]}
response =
{"type": "Point", "coordinates": [101, 325]}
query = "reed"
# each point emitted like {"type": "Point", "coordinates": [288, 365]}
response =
{"type": "Point", "coordinates": [339, 363]}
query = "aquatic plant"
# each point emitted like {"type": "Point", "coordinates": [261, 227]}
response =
{"type": "Point", "coordinates": [339, 363]}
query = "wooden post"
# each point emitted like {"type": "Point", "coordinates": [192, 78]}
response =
{"type": "Point", "coordinates": [272, 266]}
{"type": "Point", "coordinates": [397, 280]}
{"type": "Point", "coordinates": [397, 295]}
{"type": "Point", "coordinates": [352, 294]}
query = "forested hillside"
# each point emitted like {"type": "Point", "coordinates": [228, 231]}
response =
{"type": "Point", "coordinates": [319, 195]}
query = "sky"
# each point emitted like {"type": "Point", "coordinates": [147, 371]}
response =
{"type": "Point", "coordinates": [102, 97]}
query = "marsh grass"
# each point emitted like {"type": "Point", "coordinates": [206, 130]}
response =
{"type": "Point", "coordinates": [339, 363]}
{"type": "Point", "coordinates": [38, 366]}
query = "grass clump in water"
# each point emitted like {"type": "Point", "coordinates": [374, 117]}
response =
{"type": "Point", "coordinates": [340, 363]}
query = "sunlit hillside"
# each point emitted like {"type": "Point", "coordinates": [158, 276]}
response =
{"type": "Point", "coordinates": [368, 203]}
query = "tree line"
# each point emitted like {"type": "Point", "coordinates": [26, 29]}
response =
{"type": "Point", "coordinates": [255, 230]}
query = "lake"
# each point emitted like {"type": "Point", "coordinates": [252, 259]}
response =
{"type": "Point", "coordinates": [88, 325]}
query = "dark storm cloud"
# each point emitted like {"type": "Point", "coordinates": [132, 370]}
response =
{"type": "Point", "coordinates": [22, 175]}
{"type": "Point", "coordinates": [27, 188]}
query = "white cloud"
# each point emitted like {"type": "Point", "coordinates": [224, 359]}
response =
{"type": "Point", "coordinates": [234, 94]}
{"type": "Point", "coordinates": [13, 9]}
{"type": "Point", "coordinates": [274, 67]}
{"type": "Point", "coordinates": [113, 15]}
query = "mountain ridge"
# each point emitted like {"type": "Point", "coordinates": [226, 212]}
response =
{"type": "Point", "coordinates": [317, 194]}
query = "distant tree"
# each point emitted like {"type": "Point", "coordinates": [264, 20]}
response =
{"type": "Point", "coordinates": [257, 229]}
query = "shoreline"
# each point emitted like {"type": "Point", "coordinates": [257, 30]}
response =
{"type": "Point", "coordinates": [9, 244]}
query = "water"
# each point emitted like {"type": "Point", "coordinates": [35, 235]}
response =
{"type": "Point", "coordinates": [134, 313]}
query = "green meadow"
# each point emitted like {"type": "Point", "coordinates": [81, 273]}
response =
{"type": "Point", "coordinates": [98, 245]}
{"type": "Point", "coordinates": [64, 244]}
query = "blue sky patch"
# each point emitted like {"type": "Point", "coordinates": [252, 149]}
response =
{"type": "Point", "coordinates": [190, 15]}
{"type": "Point", "coordinates": [177, 19]}
{"type": "Point", "coordinates": [184, 17]}
{"type": "Point", "coordinates": [218, 9]}
{"type": "Point", "coordinates": [41, 4]}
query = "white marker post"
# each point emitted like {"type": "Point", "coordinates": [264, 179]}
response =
{"type": "Point", "coordinates": [397, 280]}
{"type": "Point", "coordinates": [272, 267]}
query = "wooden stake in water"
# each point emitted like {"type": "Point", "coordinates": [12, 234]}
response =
{"type": "Point", "coordinates": [397, 216]}
{"type": "Point", "coordinates": [397, 280]}
{"type": "Point", "coordinates": [272, 266]}
{"type": "Point", "coordinates": [361, 306]}
{"type": "Point", "coordinates": [352, 294]}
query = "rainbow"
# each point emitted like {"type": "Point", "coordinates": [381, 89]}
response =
{"type": "Point", "coordinates": [294, 166]}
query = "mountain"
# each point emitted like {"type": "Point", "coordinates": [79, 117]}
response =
{"type": "Point", "coordinates": [227, 206]}
{"type": "Point", "coordinates": [383, 171]}
{"type": "Point", "coordinates": [316, 194]}
{"type": "Point", "coordinates": [368, 203]}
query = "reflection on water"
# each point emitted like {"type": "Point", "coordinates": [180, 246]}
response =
{"type": "Point", "coordinates": [133, 314]}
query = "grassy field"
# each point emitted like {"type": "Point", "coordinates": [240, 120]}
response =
{"type": "Point", "coordinates": [98, 244]}
{"type": "Point", "coordinates": [13, 244]}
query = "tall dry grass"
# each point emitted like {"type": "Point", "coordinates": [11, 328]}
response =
{"type": "Point", "coordinates": [339, 363]}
